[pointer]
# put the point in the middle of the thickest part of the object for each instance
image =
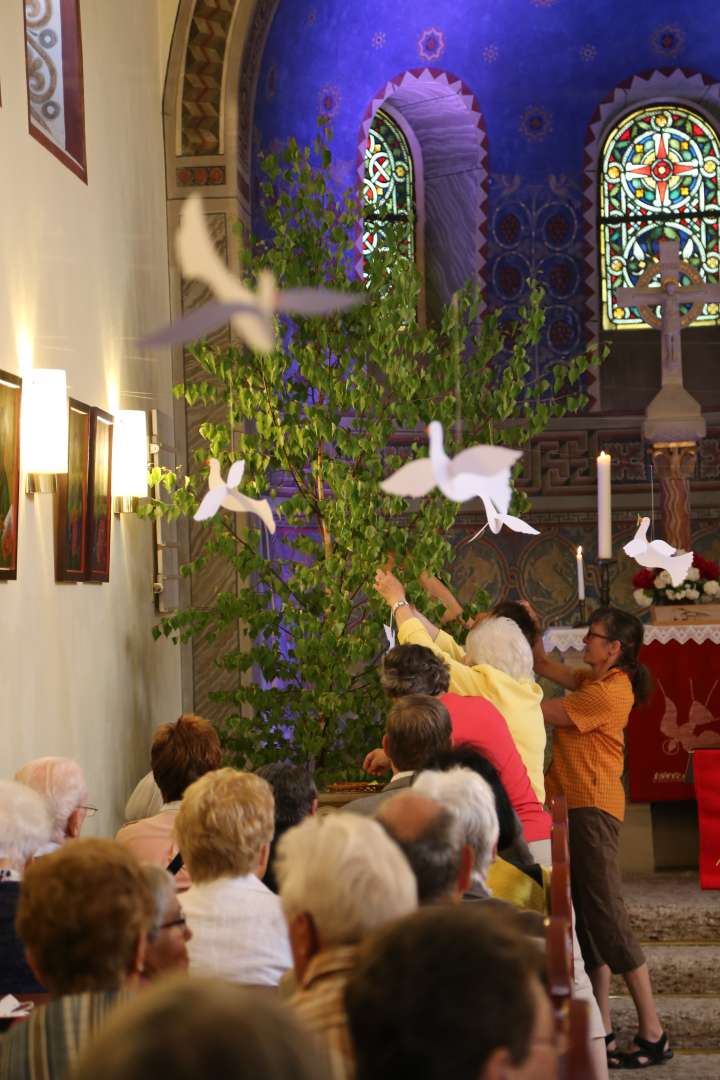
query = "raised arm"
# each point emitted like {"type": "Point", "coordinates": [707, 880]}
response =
{"type": "Point", "coordinates": [435, 589]}
{"type": "Point", "coordinates": [551, 669]}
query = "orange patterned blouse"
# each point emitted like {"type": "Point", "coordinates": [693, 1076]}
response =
{"type": "Point", "coordinates": [588, 758]}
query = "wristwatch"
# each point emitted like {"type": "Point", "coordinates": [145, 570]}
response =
{"type": "Point", "coordinates": [398, 604]}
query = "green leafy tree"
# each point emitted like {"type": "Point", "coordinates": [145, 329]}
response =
{"type": "Point", "coordinates": [319, 422]}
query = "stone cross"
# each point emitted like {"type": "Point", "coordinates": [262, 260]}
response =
{"type": "Point", "coordinates": [670, 296]}
{"type": "Point", "coordinates": [673, 420]}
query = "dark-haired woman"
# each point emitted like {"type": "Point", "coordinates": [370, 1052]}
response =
{"type": "Point", "coordinates": [587, 767]}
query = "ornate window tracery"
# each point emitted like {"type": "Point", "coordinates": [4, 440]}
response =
{"type": "Point", "coordinates": [659, 179]}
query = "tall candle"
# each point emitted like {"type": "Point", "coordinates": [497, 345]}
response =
{"type": "Point", "coordinates": [604, 504]}
{"type": "Point", "coordinates": [580, 574]}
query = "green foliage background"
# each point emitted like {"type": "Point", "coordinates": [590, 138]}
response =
{"type": "Point", "coordinates": [325, 416]}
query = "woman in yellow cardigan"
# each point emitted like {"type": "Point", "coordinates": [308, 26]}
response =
{"type": "Point", "coordinates": [498, 665]}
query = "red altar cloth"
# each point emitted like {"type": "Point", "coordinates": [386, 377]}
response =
{"type": "Point", "coordinates": [683, 714]}
{"type": "Point", "coordinates": [707, 785]}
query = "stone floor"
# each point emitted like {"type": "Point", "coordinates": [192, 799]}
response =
{"type": "Point", "coordinates": [679, 926]}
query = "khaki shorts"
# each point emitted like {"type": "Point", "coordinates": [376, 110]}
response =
{"type": "Point", "coordinates": [603, 924]}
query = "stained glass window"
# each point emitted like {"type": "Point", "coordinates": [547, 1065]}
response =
{"type": "Point", "coordinates": [389, 189]}
{"type": "Point", "coordinates": [659, 180]}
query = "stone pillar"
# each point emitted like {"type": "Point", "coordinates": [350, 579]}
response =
{"type": "Point", "coordinates": [674, 464]}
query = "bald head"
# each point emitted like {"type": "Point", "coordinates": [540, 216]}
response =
{"type": "Point", "coordinates": [432, 841]}
{"type": "Point", "coordinates": [61, 782]}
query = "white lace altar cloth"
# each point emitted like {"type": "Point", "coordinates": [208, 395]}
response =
{"type": "Point", "coordinates": [564, 638]}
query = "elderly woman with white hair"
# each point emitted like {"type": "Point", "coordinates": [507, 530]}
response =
{"type": "Point", "coordinates": [340, 878]}
{"type": "Point", "coordinates": [169, 933]}
{"type": "Point", "coordinates": [497, 664]}
{"type": "Point", "coordinates": [61, 782]}
{"type": "Point", "coordinates": [25, 827]}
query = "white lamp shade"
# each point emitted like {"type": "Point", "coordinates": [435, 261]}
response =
{"type": "Point", "coordinates": [130, 454]}
{"type": "Point", "coordinates": [44, 422]}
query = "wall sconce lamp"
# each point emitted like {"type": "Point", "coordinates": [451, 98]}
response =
{"type": "Point", "coordinates": [44, 429]}
{"type": "Point", "coordinates": [130, 460]}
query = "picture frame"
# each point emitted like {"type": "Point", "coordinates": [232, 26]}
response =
{"type": "Point", "coordinates": [10, 403]}
{"type": "Point", "coordinates": [99, 517]}
{"type": "Point", "coordinates": [71, 518]}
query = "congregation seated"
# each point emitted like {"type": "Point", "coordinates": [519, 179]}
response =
{"type": "Point", "coordinates": [83, 916]}
{"type": "Point", "coordinates": [61, 782]}
{"type": "Point", "coordinates": [416, 669]}
{"type": "Point", "coordinates": [418, 726]}
{"type": "Point", "coordinates": [25, 828]}
{"type": "Point", "coordinates": [295, 798]}
{"type": "Point", "coordinates": [168, 934]}
{"type": "Point", "coordinates": [431, 839]}
{"type": "Point", "coordinates": [193, 1029]}
{"type": "Point", "coordinates": [451, 991]}
{"type": "Point", "coordinates": [180, 754]}
{"type": "Point", "coordinates": [224, 828]}
{"type": "Point", "coordinates": [340, 878]}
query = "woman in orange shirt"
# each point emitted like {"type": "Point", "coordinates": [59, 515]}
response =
{"type": "Point", "coordinates": [587, 766]}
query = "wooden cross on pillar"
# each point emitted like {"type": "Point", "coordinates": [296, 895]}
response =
{"type": "Point", "coordinates": [670, 297]}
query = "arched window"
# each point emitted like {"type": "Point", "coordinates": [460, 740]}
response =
{"type": "Point", "coordinates": [389, 188]}
{"type": "Point", "coordinates": [659, 178]}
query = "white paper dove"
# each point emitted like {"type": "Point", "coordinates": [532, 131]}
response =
{"type": "Point", "coordinates": [478, 472]}
{"type": "Point", "coordinates": [390, 635]}
{"type": "Point", "coordinates": [657, 553]}
{"type": "Point", "coordinates": [225, 494]}
{"type": "Point", "coordinates": [460, 478]}
{"type": "Point", "coordinates": [250, 313]}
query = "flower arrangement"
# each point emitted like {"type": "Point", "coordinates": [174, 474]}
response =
{"type": "Point", "coordinates": [702, 585]}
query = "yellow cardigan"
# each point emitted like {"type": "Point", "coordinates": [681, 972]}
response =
{"type": "Point", "coordinates": [517, 699]}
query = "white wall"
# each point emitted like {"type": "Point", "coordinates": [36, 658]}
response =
{"type": "Point", "coordinates": [83, 269]}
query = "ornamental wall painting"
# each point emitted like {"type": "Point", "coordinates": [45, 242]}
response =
{"type": "Point", "coordinates": [72, 499]}
{"type": "Point", "coordinates": [659, 180]}
{"type": "Point", "coordinates": [53, 56]}
{"type": "Point", "coordinates": [10, 396]}
{"type": "Point", "coordinates": [388, 189]}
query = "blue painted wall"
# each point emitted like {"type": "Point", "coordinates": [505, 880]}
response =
{"type": "Point", "coordinates": [538, 69]}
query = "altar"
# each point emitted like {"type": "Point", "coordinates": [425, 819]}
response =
{"type": "Point", "coordinates": [683, 713]}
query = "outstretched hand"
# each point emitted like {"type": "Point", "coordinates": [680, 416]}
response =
{"type": "Point", "coordinates": [388, 586]}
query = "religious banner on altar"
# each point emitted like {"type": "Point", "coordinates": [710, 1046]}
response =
{"type": "Point", "coordinates": [682, 715]}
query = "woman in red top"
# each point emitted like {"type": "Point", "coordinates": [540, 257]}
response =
{"type": "Point", "coordinates": [413, 669]}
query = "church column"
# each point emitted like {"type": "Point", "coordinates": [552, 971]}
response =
{"type": "Point", "coordinates": [674, 464]}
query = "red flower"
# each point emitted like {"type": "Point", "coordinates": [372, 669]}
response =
{"type": "Point", "coordinates": [644, 579]}
{"type": "Point", "coordinates": [710, 571]}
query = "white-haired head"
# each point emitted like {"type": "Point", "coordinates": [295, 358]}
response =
{"type": "Point", "coordinates": [471, 800]}
{"type": "Point", "coordinates": [25, 824]}
{"type": "Point", "coordinates": [61, 782]}
{"type": "Point", "coordinates": [501, 643]}
{"type": "Point", "coordinates": [346, 873]}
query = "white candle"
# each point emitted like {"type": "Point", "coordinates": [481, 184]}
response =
{"type": "Point", "coordinates": [580, 574]}
{"type": "Point", "coordinates": [604, 461]}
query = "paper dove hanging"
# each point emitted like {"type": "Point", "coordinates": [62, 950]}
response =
{"type": "Point", "coordinates": [478, 472]}
{"type": "Point", "coordinates": [658, 554]}
{"type": "Point", "coordinates": [250, 313]}
{"type": "Point", "coordinates": [225, 494]}
{"type": "Point", "coordinates": [389, 635]}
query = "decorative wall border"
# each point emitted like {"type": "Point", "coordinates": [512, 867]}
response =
{"type": "Point", "coordinates": [656, 86]}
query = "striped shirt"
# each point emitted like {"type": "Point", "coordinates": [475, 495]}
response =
{"type": "Point", "coordinates": [47, 1044]}
{"type": "Point", "coordinates": [319, 1005]}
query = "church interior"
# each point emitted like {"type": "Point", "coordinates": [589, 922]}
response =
{"type": "Point", "coordinates": [386, 225]}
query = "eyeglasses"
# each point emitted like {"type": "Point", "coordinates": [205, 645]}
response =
{"type": "Point", "coordinates": [90, 811]}
{"type": "Point", "coordinates": [603, 637]}
{"type": "Point", "coordinates": [181, 921]}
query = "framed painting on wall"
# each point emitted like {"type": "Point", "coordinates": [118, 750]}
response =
{"type": "Point", "coordinates": [100, 501]}
{"type": "Point", "coordinates": [71, 526]}
{"type": "Point", "coordinates": [10, 396]}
